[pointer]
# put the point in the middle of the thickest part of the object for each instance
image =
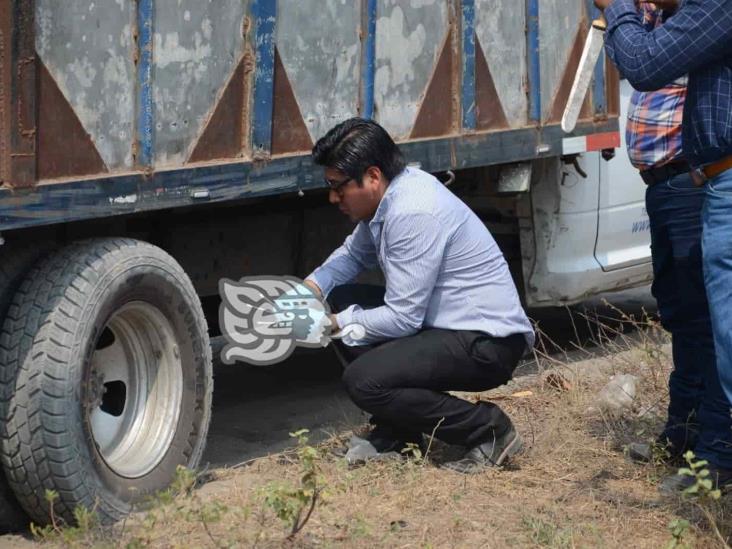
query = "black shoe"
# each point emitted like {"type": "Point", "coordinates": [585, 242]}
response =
{"type": "Point", "coordinates": [384, 442]}
{"type": "Point", "coordinates": [674, 485]}
{"type": "Point", "coordinates": [386, 438]}
{"type": "Point", "coordinates": [655, 452]}
{"type": "Point", "coordinates": [669, 448]}
{"type": "Point", "coordinates": [493, 453]}
{"type": "Point", "coordinates": [361, 450]}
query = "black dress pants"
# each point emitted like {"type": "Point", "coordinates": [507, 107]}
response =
{"type": "Point", "coordinates": [403, 382]}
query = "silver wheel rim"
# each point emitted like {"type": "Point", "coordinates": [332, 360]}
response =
{"type": "Point", "coordinates": [136, 390]}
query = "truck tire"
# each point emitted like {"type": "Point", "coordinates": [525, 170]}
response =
{"type": "Point", "coordinates": [15, 262]}
{"type": "Point", "coordinates": [109, 379]}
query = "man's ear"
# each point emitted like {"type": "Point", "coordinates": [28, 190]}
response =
{"type": "Point", "coordinates": [373, 173]}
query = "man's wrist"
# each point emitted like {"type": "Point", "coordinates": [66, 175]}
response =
{"type": "Point", "coordinates": [334, 323]}
{"type": "Point", "coordinates": [310, 283]}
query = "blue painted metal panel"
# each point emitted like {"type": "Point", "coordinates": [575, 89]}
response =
{"type": "Point", "coordinates": [532, 37]}
{"type": "Point", "coordinates": [145, 117]}
{"type": "Point", "coordinates": [598, 84]}
{"type": "Point", "coordinates": [264, 13]}
{"type": "Point", "coordinates": [368, 69]}
{"type": "Point", "coordinates": [468, 73]}
{"type": "Point", "coordinates": [119, 195]}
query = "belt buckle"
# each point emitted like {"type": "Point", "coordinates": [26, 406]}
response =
{"type": "Point", "coordinates": [699, 176]}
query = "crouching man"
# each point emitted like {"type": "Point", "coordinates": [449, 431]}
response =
{"type": "Point", "coordinates": [449, 318]}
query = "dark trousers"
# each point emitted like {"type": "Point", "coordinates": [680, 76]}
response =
{"type": "Point", "coordinates": [402, 382]}
{"type": "Point", "coordinates": [698, 412]}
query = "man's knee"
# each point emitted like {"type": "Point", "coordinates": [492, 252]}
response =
{"type": "Point", "coordinates": [360, 386]}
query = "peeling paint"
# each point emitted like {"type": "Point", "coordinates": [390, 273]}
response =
{"type": "Point", "coordinates": [407, 42]}
{"type": "Point", "coordinates": [323, 68]}
{"type": "Point", "coordinates": [501, 31]}
{"type": "Point", "coordinates": [168, 50]}
{"type": "Point", "coordinates": [195, 52]}
{"type": "Point", "coordinates": [88, 54]}
{"type": "Point", "coordinates": [558, 24]}
{"type": "Point", "coordinates": [82, 70]}
{"type": "Point", "coordinates": [417, 4]}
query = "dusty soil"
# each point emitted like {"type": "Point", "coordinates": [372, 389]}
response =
{"type": "Point", "coordinates": [572, 487]}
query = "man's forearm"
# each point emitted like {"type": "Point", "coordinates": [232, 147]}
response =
{"type": "Point", "coordinates": [698, 34]}
{"type": "Point", "coordinates": [381, 323]}
{"type": "Point", "coordinates": [338, 269]}
{"type": "Point", "coordinates": [355, 255]}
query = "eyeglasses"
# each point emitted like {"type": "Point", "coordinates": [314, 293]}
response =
{"type": "Point", "coordinates": [337, 186]}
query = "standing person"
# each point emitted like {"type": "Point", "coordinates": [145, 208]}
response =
{"type": "Point", "coordinates": [449, 318]}
{"type": "Point", "coordinates": [674, 206]}
{"type": "Point", "coordinates": [696, 41]}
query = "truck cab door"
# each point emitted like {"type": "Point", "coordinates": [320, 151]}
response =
{"type": "Point", "coordinates": [623, 230]}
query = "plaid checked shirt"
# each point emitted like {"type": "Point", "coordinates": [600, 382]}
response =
{"type": "Point", "coordinates": [653, 132]}
{"type": "Point", "coordinates": [696, 41]}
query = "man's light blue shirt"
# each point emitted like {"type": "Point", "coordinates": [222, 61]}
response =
{"type": "Point", "coordinates": [443, 268]}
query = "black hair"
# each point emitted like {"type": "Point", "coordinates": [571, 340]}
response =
{"type": "Point", "coordinates": [357, 144]}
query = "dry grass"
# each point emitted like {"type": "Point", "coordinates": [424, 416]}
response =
{"type": "Point", "coordinates": [572, 487]}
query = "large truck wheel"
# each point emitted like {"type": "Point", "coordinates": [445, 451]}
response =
{"type": "Point", "coordinates": [15, 262]}
{"type": "Point", "coordinates": [109, 379]}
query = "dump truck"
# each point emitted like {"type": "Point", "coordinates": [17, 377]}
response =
{"type": "Point", "coordinates": [150, 148]}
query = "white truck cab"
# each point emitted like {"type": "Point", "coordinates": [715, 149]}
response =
{"type": "Point", "coordinates": [581, 236]}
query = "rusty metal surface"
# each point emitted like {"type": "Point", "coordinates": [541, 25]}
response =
{"type": "Point", "coordinates": [225, 182]}
{"type": "Point", "coordinates": [322, 59]}
{"type": "Point", "coordinates": [565, 86]}
{"type": "Point", "coordinates": [23, 81]}
{"type": "Point", "coordinates": [88, 50]}
{"type": "Point", "coordinates": [222, 136]}
{"type": "Point", "coordinates": [6, 26]}
{"type": "Point", "coordinates": [612, 89]}
{"type": "Point", "coordinates": [559, 21]}
{"type": "Point", "coordinates": [501, 30]}
{"type": "Point", "coordinates": [64, 147]}
{"type": "Point", "coordinates": [488, 105]}
{"type": "Point", "coordinates": [408, 38]}
{"type": "Point", "coordinates": [202, 103]}
{"type": "Point", "coordinates": [437, 115]}
{"type": "Point", "coordinates": [197, 46]}
{"type": "Point", "coordinates": [289, 133]}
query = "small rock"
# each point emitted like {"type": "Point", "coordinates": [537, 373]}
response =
{"type": "Point", "coordinates": [618, 395]}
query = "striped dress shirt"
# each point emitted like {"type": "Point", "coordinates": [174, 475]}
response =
{"type": "Point", "coordinates": [443, 268]}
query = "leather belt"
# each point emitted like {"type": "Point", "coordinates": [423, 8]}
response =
{"type": "Point", "coordinates": [715, 168]}
{"type": "Point", "coordinates": [663, 173]}
{"type": "Point", "coordinates": [710, 171]}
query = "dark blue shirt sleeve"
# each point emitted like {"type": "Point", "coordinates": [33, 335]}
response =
{"type": "Point", "coordinates": [700, 33]}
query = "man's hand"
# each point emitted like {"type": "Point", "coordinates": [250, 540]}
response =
{"type": "Point", "coordinates": [334, 324]}
{"type": "Point", "coordinates": [314, 287]}
{"type": "Point", "coordinates": [666, 5]}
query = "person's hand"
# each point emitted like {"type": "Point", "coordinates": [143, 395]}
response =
{"type": "Point", "coordinates": [602, 4]}
{"type": "Point", "coordinates": [333, 324]}
{"type": "Point", "coordinates": [314, 287]}
{"type": "Point", "coordinates": [667, 5]}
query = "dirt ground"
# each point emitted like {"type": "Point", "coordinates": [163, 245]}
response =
{"type": "Point", "coordinates": [571, 487]}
